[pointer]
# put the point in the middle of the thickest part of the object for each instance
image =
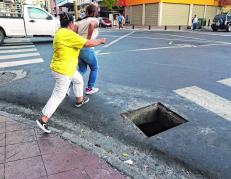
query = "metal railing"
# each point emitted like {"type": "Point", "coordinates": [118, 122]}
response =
{"type": "Point", "coordinates": [11, 9]}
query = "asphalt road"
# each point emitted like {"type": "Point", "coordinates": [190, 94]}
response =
{"type": "Point", "coordinates": [189, 72]}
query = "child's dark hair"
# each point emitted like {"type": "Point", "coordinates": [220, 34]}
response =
{"type": "Point", "coordinates": [91, 9]}
{"type": "Point", "coordinates": [65, 19]}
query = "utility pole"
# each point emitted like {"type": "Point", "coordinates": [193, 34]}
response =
{"type": "Point", "coordinates": [76, 9]}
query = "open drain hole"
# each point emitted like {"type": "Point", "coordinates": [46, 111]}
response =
{"type": "Point", "coordinates": [154, 119]}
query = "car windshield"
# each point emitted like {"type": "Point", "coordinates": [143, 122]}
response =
{"type": "Point", "coordinates": [220, 16]}
{"type": "Point", "coordinates": [229, 17]}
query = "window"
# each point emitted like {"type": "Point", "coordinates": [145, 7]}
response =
{"type": "Point", "coordinates": [36, 13]}
{"type": "Point", "coordinates": [229, 17]}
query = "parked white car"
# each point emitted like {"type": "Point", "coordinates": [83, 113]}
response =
{"type": "Point", "coordinates": [26, 20]}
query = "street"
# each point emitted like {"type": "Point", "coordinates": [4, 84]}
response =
{"type": "Point", "coordinates": [189, 72]}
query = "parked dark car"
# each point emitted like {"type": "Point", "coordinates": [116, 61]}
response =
{"type": "Point", "coordinates": [222, 21]}
{"type": "Point", "coordinates": [104, 22]}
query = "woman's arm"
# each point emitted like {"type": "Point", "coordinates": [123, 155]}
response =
{"type": "Point", "coordinates": [93, 43]}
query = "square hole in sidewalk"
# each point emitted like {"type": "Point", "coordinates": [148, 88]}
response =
{"type": "Point", "coordinates": [154, 119]}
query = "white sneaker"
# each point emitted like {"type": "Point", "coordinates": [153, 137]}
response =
{"type": "Point", "coordinates": [43, 126]}
{"type": "Point", "coordinates": [85, 100]}
{"type": "Point", "coordinates": [91, 90]}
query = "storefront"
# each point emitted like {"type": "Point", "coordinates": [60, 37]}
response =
{"type": "Point", "coordinates": [170, 12]}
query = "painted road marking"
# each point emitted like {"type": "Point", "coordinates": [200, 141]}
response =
{"type": "Point", "coordinates": [144, 49]}
{"type": "Point", "coordinates": [207, 45]}
{"type": "Point", "coordinates": [167, 39]}
{"type": "Point", "coordinates": [207, 100]}
{"type": "Point", "coordinates": [118, 39]}
{"type": "Point", "coordinates": [213, 34]}
{"type": "Point", "coordinates": [21, 62]}
{"type": "Point", "coordinates": [106, 53]}
{"type": "Point", "coordinates": [187, 37]}
{"type": "Point", "coordinates": [20, 46]}
{"type": "Point", "coordinates": [176, 47]}
{"type": "Point", "coordinates": [185, 45]}
{"type": "Point", "coordinates": [111, 43]}
{"type": "Point", "coordinates": [179, 46]}
{"type": "Point", "coordinates": [159, 48]}
{"type": "Point", "coordinates": [17, 44]}
{"type": "Point", "coordinates": [15, 40]}
{"type": "Point", "coordinates": [182, 38]}
{"type": "Point", "coordinates": [5, 57]}
{"type": "Point", "coordinates": [18, 50]}
{"type": "Point", "coordinates": [226, 82]}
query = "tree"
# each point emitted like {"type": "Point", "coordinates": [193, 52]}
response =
{"type": "Point", "coordinates": [109, 3]}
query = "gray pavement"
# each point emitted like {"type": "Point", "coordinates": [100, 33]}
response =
{"type": "Point", "coordinates": [182, 70]}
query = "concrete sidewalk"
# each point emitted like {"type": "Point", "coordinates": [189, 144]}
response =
{"type": "Point", "coordinates": [160, 28]}
{"type": "Point", "coordinates": [26, 153]}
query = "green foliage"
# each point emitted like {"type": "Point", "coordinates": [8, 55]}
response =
{"type": "Point", "coordinates": [109, 3]}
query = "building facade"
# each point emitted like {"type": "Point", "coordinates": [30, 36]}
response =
{"type": "Point", "coordinates": [68, 6]}
{"type": "Point", "coordinates": [171, 12]}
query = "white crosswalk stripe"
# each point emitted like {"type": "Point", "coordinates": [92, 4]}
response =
{"type": "Point", "coordinates": [21, 62]}
{"type": "Point", "coordinates": [207, 100]}
{"type": "Point", "coordinates": [16, 47]}
{"type": "Point", "coordinates": [18, 55]}
{"type": "Point", "coordinates": [17, 44]}
{"type": "Point", "coordinates": [5, 57]}
{"type": "Point", "coordinates": [18, 50]}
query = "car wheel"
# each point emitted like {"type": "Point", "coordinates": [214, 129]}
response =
{"type": "Point", "coordinates": [228, 29]}
{"type": "Point", "coordinates": [2, 36]}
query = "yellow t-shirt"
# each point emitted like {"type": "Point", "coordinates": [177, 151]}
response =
{"type": "Point", "coordinates": [67, 45]}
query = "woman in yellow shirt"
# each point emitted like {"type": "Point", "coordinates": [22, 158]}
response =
{"type": "Point", "coordinates": [67, 45]}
